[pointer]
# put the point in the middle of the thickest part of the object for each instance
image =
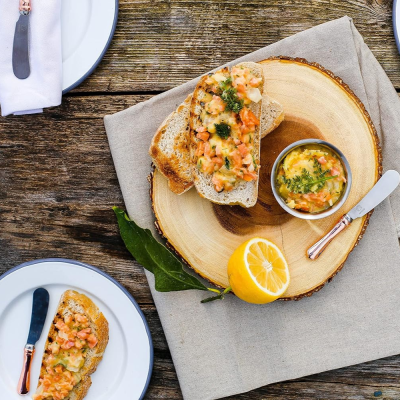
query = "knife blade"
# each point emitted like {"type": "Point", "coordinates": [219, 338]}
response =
{"type": "Point", "coordinates": [40, 306]}
{"type": "Point", "coordinates": [20, 54]}
{"type": "Point", "coordinates": [382, 189]}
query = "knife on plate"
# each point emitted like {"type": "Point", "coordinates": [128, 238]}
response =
{"type": "Point", "coordinates": [382, 189]}
{"type": "Point", "coordinates": [40, 305]}
{"type": "Point", "coordinates": [20, 54]}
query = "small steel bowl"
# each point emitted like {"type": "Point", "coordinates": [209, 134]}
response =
{"type": "Point", "coordinates": [303, 214]}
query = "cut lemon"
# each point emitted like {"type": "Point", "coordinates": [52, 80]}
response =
{"type": "Point", "coordinates": [258, 272]}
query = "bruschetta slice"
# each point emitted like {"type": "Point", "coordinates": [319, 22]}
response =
{"type": "Point", "coordinates": [75, 346]}
{"type": "Point", "coordinates": [169, 148]}
{"type": "Point", "coordinates": [225, 134]}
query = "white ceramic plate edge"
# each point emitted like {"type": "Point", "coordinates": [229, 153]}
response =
{"type": "Point", "coordinates": [396, 22]}
{"type": "Point", "coordinates": [96, 63]}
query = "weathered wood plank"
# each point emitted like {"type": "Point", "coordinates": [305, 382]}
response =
{"type": "Point", "coordinates": [57, 187]}
{"type": "Point", "coordinates": [161, 44]}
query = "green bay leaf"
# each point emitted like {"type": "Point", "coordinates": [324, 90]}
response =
{"type": "Point", "coordinates": [167, 268]}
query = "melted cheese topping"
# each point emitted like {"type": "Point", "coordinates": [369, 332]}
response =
{"type": "Point", "coordinates": [225, 139]}
{"type": "Point", "coordinates": [65, 357]}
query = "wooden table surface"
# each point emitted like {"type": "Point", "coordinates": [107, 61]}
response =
{"type": "Point", "coordinates": [57, 179]}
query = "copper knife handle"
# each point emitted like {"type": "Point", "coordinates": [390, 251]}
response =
{"type": "Point", "coordinates": [25, 378]}
{"type": "Point", "coordinates": [316, 250]}
{"type": "Point", "coordinates": [25, 7]}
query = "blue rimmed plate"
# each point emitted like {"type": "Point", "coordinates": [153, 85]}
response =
{"type": "Point", "coordinates": [126, 368]}
{"type": "Point", "coordinates": [396, 22]}
{"type": "Point", "coordinates": [87, 29]}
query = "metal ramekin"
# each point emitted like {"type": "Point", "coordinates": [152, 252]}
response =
{"type": "Point", "coordinates": [328, 211]}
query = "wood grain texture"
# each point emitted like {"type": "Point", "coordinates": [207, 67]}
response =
{"type": "Point", "coordinates": [160, 44]}
{"type": "Point", "coordinates": [52, 204]}
{"type": "Point", "coordinates": [57, 180]}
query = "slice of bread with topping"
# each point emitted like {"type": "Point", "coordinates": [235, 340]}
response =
{"type": "Point", "coordinates": [169, 149]}
{"type": "Point", "coordinates": [210, 110]}
{"type": "Point", "coordinates": [75, 346]}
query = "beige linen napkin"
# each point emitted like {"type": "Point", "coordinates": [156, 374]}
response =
{"type": "Point", "coordinates": [229, 347]}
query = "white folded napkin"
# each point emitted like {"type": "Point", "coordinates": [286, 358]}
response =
{"type": "Point", "coordinates": [43, 88]}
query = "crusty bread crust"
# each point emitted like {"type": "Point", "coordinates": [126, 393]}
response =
{"type": "Point", "coordinates": [245, 193]}
{"type": "Point", "coordinates": [72, 302]}
{"type": "Point", "coordinates": [272, 115]}
{"type": "Point", "coordinates": [169, 149]}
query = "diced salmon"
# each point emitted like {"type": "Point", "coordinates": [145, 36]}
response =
{"type": "Point", "coordinates": [322, 160]}
{"type": "Point", "coordinates": [248, 118]}
{"type": "Point", "coordinates": [215, 106]}
{"type": "Point", "coordinates": [255, 82]}
{"type": "Point", "coordinates": [335, 172]}
{"type": "Point", "coordinates": [218, 184]}
{"type": "Point", "coordinates": [243, 150]}
{"type": "Point", "coordinates": [92, 340]}
{"type": "Point", "coordinates": [84, 333]}
{"type": "Point", "coordinates": [68, 345]}
{"type": "Point", "coordinates": [58, 369]}
{"type": "Point", "coordinates": [200, 149]}
{"type": "Point", "coordinates": [203, 136]}
{"type": "Point", "coordinates": [241, 88]}
{"type": "Point", "coordinates": [250, 176]}
{"type": "Point", "coordinates": [81, 318]}
{"type": "Point", "coordinates": [236, 158]}
{"type": "Point", "coordinates": [218, 161]}
{"type": "Point", "coordinates": [207, 149]}
{"type": "Point", "coordinates": [60, 325]}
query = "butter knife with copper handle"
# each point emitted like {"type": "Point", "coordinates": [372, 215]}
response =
{"type": "Point", "coordinates": [382, 189]}
{"type": "Point", "coordinates": [40, 305]}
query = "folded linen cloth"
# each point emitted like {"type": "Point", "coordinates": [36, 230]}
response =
{"type": "Point", "coordinates": [231, 347]}
{"type": "Point", "coordinates": [43, 88]}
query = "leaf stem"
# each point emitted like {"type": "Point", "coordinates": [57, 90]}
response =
{"type": "Point", "coordinates": [220, 295]}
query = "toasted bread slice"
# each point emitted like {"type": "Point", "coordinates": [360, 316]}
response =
{"type": "Point", "coordinates": [169, 149]}
{"type": "Point", "coordinates": [73, 303]}
{"type": "Point", "coordinates": [271, 115]}
{"type": "Point", "coordinates": [245, 193]}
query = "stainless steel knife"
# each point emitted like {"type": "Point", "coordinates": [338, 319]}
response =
{"type": "Point", "coordinates": [20, 55]}
{"type": "Point", "coordinates": [40, 305]}
{"type": "Point", "coordinates": [376, 195]}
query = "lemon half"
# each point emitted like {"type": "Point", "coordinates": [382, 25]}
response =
{"type": "Point", "coordinates": [258, 272]}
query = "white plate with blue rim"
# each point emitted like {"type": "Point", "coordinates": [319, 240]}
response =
{"type": "Point", "coordinates": [396, 22]}
{"type": "Point", "coordinates": [127, 364]}
{"type": "Point", "coordinates": [87, 28]}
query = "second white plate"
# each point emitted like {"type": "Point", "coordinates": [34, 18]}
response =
{"type": "Point", "coordinates": [126, 367]}
{"type": "Point", "coordinates": [87, 29]}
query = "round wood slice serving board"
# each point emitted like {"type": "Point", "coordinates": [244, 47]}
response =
{"type": "Point", "coordinates": [317, 105]}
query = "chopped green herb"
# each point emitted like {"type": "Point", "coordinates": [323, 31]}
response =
{"type": "Point", "coordinates": [231, 99]}
{"type": "Point", "coordinates": [254, 163]}
{"type": "Point", "coordinates": [223, 130]}
{"type": "Point", "coordinates": [306, 183]}
{"type": "Point", "coordinates": [224, 85]}
{"type": "Point", "coordinates": [227, 163]}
